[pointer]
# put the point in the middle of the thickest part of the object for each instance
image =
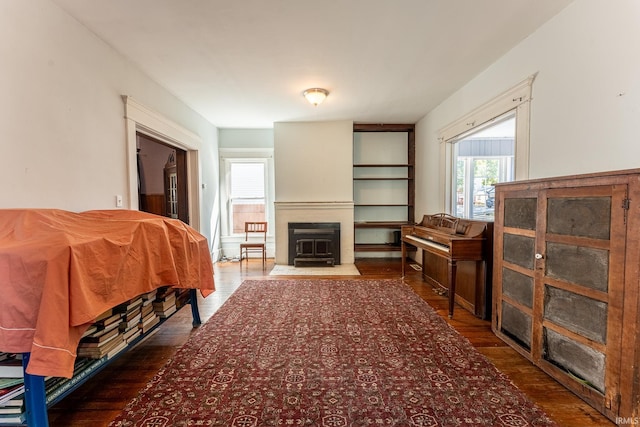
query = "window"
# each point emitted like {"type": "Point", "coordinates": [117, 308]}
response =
{"type": "Point", "coordinates": [486, 146]}
{"type": "Point", "coordinates": [246, 193]}
{"type": "Point", "coordinates": [482, 158]}
{"type": "Point", "coordinates": [173, 195]}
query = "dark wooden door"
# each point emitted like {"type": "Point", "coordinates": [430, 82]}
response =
{"type": "Point", "coordinates": [175, 186]}
{"type": "Point", "coordinates": [171, 172]}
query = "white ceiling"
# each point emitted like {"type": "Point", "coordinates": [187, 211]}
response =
{"type": "Point", "coordinates": [245, 63]}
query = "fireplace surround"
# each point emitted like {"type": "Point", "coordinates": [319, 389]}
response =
{"type": "Point", "coordinates": [314, 244]}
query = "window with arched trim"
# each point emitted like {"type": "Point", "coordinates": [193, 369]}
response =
{"type": "Point", "coordinates": [484, 147]}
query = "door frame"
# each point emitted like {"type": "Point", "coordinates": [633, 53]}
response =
{"type": "Point", "coordinates": [139, 118]}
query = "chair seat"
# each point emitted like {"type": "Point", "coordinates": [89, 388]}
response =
{"type": "Point", "coordinates": [252, 245]}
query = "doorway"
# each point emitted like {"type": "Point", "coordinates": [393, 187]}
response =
{"type": "Point", "coordinates": [162, 178]}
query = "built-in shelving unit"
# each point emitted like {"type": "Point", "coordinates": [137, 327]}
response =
{"type": "Point", "coordinates": [383, 185]}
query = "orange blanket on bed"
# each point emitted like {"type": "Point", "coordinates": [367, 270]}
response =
{"type": "Point", "coordinates": [60, 270]}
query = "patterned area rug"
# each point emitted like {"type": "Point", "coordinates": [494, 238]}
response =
{"type": "Point", "coordinates": [329, 353]}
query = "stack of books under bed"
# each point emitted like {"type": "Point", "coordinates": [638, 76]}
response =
{"type": "Point", "coordinates": [110, 334]}
{"type": "Point", "coordinates": [11, 389]}
{"type": "Point", "coordinates": [118, 327]}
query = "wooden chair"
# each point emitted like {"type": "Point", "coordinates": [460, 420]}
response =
{"type": "Point", "coordinates": [251, 245]}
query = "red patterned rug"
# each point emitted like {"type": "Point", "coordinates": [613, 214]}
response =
{"type": "Point", "coordinates": [329, 353]}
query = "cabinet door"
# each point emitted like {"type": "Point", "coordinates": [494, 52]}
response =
{"type": "Point", "coordinates": [560, 279]}
{"type": "Point", "coordinates": [514, 267]}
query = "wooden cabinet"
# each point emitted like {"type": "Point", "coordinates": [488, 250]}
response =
{"type": "Point", "coordinates": [565, 282]}
{"type": "Point", "coordinates": [383, 184]}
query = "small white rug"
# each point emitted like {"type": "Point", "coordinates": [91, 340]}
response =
{"type": "Point", "coordinates": [336, 270]}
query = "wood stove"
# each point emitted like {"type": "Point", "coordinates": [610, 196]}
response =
{"type": "Point", "coordinates": [314, 244]}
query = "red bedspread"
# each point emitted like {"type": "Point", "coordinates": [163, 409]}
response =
{"type": "Point", "coordinates": [59, 270]}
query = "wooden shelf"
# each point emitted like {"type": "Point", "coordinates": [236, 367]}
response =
{"type": "Point", "coordinates": [376, 247]}
{"type": "Point", "coordinates": [389, 161]}
{"type": "Point", "coordinates": [382, 165]}
{"type": "Point", "coordinates": [382, 204]}
{"type": "Point", "coordinates": [382, 179]}
{"type": "Point", "coordinates": [380, 224]}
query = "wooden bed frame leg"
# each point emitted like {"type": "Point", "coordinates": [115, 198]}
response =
{"type": "Point", "coordinates": [195, 312]}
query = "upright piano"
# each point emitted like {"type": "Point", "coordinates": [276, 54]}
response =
{"type": "Point", "coordinates": [457, 256]}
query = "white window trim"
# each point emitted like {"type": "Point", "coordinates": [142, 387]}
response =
{"type": "Point", "coordinates": [517, 98]}
{"type": "Point", "coordinates": [247, 154]}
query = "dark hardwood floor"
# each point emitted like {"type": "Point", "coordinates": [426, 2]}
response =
{"type": "Point", "coordinates": [98, 401]}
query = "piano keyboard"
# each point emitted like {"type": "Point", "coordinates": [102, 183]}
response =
{"type": "Point", "coordinates": [435, 245]}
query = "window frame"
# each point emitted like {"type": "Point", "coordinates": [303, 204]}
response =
{"type": "Point", "coordinates": [228, 168]}
{"type": "Point", "coordinates": [507, 169]}
{"type": "Point", "coordinates": [518, 99]}
{"type": "Point", "coordinates": [229, 156]}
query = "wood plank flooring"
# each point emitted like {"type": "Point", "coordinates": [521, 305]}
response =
{"type": "Point", "coordinates": [97, 402]}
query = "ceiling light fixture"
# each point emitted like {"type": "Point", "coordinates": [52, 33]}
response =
{"type": "Point", "coordinates": [315, 95]}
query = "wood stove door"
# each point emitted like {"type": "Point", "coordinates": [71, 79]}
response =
{"type": "Point", "coordinates": [305, 248]}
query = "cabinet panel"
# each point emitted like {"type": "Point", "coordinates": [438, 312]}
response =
{"type": "Point", "coordinates": [577, 264]}
{"type": "Point", "coordinates": [518, 287]}
{"type": "Point", "coordinates": [516, 324]}
{"type": "Point", "coordinates": [588, 217]}
{"type": "Point", "coordinates": [520, 213]}
{"type": "Point", "coordinates": [519, 250]}
{"type": "Point", "coordinates": [577, 359]}
{"type": "Point", "coordinates": [578, 313]}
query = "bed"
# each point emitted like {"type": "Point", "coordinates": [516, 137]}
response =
{"type": "Point", "coordinates": [60, 270]}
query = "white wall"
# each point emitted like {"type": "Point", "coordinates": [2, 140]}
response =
{"type": "Point", "coordinates": [245, 138]}
{"type": "Point", "coordinates": [62, 130]}
{"type": "Point", "coordinates": [314, 180]}
{"type": "Point", "coordinates": [314, 161]}
{"type": "Point", "coordinates": [586, 97]}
